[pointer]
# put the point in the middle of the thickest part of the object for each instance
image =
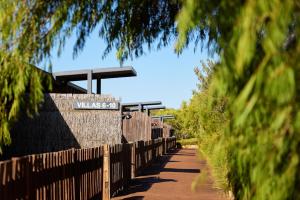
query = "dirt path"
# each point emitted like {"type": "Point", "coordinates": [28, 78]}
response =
{"type": "Point", "coordinates": [171, 178]}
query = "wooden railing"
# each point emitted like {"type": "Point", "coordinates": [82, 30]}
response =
{"type": "Point", "coordinates": [78, 173]}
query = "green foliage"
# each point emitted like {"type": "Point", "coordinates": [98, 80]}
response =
{"type": "Point", "coordinates": [258, 74]}
{"type": "Point", "coordinates": [185, 123]}
{"type": "Point", "coordinates": [189, 141]}
{"type": "Point", "coordinates": [176, 123]}
{"type": "Point", "coordinates": [208, 118]}
{"type": "Point", "coordinates": [17, 76]}
{"type": "Point", "coordinates": [202, 121]}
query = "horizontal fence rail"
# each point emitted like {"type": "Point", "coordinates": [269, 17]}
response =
{"type": "Point", "coordinates": [78, 173]}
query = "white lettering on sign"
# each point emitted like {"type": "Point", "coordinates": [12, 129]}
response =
{"type": "Point", "coordinates": [86, 105]}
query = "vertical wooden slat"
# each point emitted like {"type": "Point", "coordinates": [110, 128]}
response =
{"type": "Point", "coordinates": [106, 173]}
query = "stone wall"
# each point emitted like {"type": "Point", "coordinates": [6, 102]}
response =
{"type": "Point", "coordinates": [59, 126]}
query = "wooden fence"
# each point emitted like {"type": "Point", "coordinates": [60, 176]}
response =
{"type": "Point", "coordinates": [138, 127]}
{"type": "Point", "coordinates": [77, 173]}
{"type": "Point", "coordinates": [146, 152]}
{"type": "Point", "coordinates": [156, 132]}
{"type": "Point", "coordinates": [120, 167]}
{"type": "Point", "coordinates": [70, 174]}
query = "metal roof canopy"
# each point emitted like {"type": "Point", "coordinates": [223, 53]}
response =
{"type": "Point", "coordinates": [165, 116]}
{"type": "Point", "coordinates": [147, 109]}
{"type": "Point", "coordinates": [145, 103]}
{"type": "Point", "coordinates": [162, 117]}
{"type": "Point", "coordinates": [90, 74]}
{"type": "Point", "coordinates": [140, 105]}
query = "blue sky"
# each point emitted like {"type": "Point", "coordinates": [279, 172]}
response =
{"type": "Point", "coordinates": [161, 74]}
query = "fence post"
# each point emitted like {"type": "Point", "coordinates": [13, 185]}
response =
{"type": "Point", "coordinates": [106, 173]}
{"type": "Point", "coordinates": [161, 152]}
{"type": "Point", "coordinates": [174, 143]}
{"type": "Point", "coordinates": [142, 151]}
{"type": "Point", "coordinates": [163, 146]}
{"type": "Point", "coordinates": [153, 151]}
{"type": "Point", "coordinates": [132, 146]}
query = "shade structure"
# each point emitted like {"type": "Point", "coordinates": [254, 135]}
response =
{"type": "Point", "coordinates": [147, 109]}
{"type": "Point", "coordinates": [139, 105]}
{"type": "Point", "coordinates": [163, 117]}
{"type": "Point", "coordinates": [97, 73]}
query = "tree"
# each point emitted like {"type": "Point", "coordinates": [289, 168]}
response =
{"type": "Point", "coordinates": [259, 75]}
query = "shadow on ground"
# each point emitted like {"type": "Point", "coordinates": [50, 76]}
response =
{"type": "Point", "coordinates": [134, 198]}
{"type": "Point", "coordinates": [181, 170]}
{"type": "Point", "coordinates": [149, 177]}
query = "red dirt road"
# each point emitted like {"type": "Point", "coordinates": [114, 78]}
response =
{"type": "Point", "coordinates": [171, 178]}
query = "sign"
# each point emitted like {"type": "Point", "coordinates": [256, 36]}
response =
{"type": "Point", "coordinates": [95, 105]}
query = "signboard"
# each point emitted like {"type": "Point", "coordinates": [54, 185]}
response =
{"type": "Point", "coordinates": [95, 105]}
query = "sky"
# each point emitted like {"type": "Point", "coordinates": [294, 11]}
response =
{"type": "Point", "coordinates": [162, 75]}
